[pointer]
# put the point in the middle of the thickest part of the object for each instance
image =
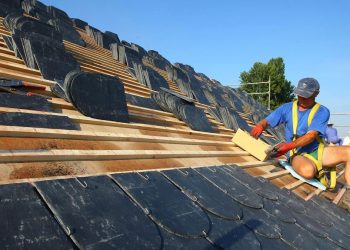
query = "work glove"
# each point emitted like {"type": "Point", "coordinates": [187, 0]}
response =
{"type": "Point", "coordinates": [282, 148]}
{"type": "Point", "coordinates": [257, 131]}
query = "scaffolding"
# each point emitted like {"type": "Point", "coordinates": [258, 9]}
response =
{"type": "Point", "coordinates": [258, 93]}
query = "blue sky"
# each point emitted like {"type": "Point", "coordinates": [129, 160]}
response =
{"type": "Point", "coordinates": [223, 38]}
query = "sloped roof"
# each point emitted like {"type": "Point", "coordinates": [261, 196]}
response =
{"type": "Point", "coordinates": [63, 173]}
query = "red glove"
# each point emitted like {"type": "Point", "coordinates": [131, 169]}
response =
{"type": "Point", "coordinates": [257, 131]}
{"type": "Point", "coordinates": [283, 148]}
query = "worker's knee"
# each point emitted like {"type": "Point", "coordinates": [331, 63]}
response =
{"type": "Point", "coordinates": [343, 153]}
{"type": "Point", "coordinates": [307, 173]}
{"type": "Point", "coordinates": [304, 167]}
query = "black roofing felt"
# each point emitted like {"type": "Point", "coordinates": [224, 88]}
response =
{"type": "Point", "coordinates": [201, 208]}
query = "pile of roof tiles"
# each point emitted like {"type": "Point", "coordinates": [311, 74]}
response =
{"type": "Point", "coordinates": [183, 109]}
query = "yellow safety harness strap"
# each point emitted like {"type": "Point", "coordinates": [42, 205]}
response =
{"type": "Point", "coordinates": [320, 170]}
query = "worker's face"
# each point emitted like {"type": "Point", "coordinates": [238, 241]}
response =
{"type": "Point", "coordinates": [307, 102]}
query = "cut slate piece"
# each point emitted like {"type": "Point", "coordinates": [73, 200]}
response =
{"type": "Point", "coordinates": [79, 23]}
{"type": "Point", "coordinates": [172, 241]}
{"type": "Point", "coordinates": [228, 234]}
{"type": "Point", "coordinates": [261, 223]}
{"type": "Point", "coordinates": [142, 102]}
{"type": "Point", "coordinates": [25, 102]}
{"type": "Point", "coordinates": [258, 187]}
{"type": "Point", "coordinates": [97, 95]}
{"type": "Point", "coordinates": [67, 31]}
{"type": "Point", "coordinates": [165, 204]}
{"type": "Point", "coordinates": [37, 121]}
{"type": "Point", "coordinates": [208, 196]}
{"type": "Point", "coordinates": [26, 222]}
{"type": "Point", "coordinates": [231, 187]}
{"type": "Point", "coordinates": [97, 214]}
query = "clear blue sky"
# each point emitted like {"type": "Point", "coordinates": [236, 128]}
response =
{"type": "Point", "coordinates": [223, 38]}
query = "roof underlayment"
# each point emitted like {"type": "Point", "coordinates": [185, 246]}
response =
{"type": "Point", "coordinates": [107, 145]}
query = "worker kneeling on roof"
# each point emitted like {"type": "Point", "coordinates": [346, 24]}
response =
{"type": "Point", "coordinates": [305, 125]}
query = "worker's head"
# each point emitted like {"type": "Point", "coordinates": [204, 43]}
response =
{"type": "Point", "coordinates": [330, 124]}
{"type": "Point", "coordinates": [307, 88]}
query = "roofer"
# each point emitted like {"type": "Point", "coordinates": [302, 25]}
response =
{"type": "Point", "coordinates": [305, 126]}
{"type": "Point", "coordinates": [332, 135]}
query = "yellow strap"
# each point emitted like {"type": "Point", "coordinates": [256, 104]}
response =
{"type": "Point", "coordinates": [295, 125]}
{"type": "Point", "coordinates": [321, 176]}
{"type": "Point", "coordinates": [312, 113]}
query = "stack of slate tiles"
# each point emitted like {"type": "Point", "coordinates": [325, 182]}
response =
{"type": "Point", "coordinates": [40, 46]}
{"type": "Point", "coordinates": [202, 208]}
{"type": "Point", "coordinates": [96, 95]}
{"type": "Point", "coordinates": [132, 56]}
{"type": "Point", "coordinates": [183, 109]}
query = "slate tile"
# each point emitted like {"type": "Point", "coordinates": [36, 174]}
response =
{"type": "Point", "coordinates": [165, 203]}
{"type": "Point", "coordinates": [26, 223]}
{"type": "Point", "coordinates": [98, 215]}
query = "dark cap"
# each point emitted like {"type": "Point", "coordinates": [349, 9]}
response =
{"type": "Point", "coordinates": [307, 87]}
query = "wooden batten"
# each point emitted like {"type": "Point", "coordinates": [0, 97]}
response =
{"type": "Point", "coordinates": [12, 156]}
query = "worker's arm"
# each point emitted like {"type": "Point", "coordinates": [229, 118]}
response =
{"type": "Point", "coordinates": [259, 128]}
{"type": "Point", "coordinates": [306, 139]}
{"type": "Point", "coordinates": [302, 141]}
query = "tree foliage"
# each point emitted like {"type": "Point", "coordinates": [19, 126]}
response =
{"type": "Point", "coordinates": [281, 88]}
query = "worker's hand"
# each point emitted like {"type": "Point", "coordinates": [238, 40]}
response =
{"type": "Point", "coordinates": [283, 148]}
{"type": "Point", "coordinates": [257, 131]}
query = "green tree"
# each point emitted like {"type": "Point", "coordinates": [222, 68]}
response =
{"type": "Point", "coordinates": [281, 88]}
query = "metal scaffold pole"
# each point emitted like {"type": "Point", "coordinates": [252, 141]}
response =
{"type": "Point", "coordinates": [258, 93]}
